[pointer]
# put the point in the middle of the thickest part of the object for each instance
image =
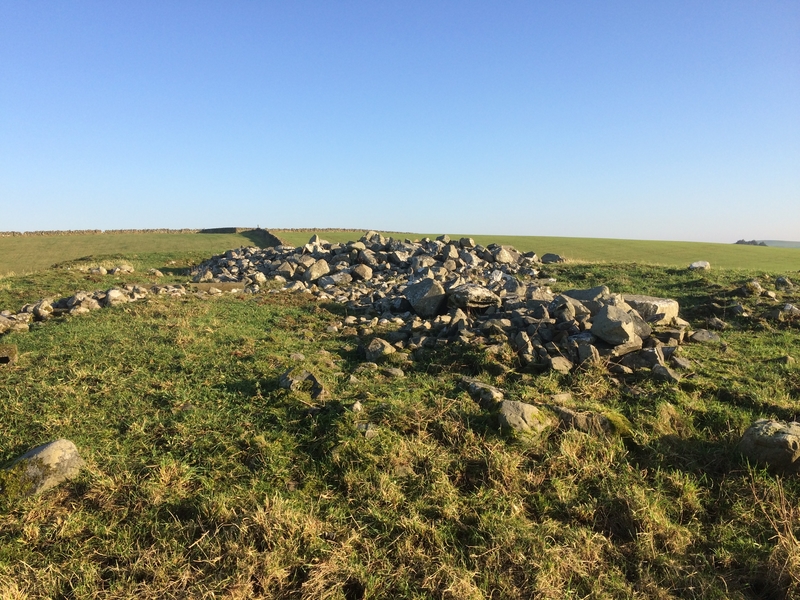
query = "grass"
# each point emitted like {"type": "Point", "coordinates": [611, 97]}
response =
{"type": "Point", "coordinates": [205, 479]}
{"type": "Point", "coordinates": [25, 254]}
{"type": "Point", "coordinates": [670, 254]}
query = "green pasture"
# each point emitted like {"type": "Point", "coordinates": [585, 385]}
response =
{"type": "Point", "coordinates": [34, 253]}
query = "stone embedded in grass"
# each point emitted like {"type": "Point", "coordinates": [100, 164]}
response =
{"type": "Point", "coordinates": [783, 283]}
{"type": "Point", "coordinates": [300, 380]}
{"type": "Point", "coordinates": [664, 373]}
{"type": "Point", "coordinates": [717, 324]}
{"type": "Point", "coordinates": [560, 364]}
{"type": "Point", "coordinates": [588, 422]}
{"type": "Point", "coordinates": [787, 311]}
{"type": "Point", "coordinates": [773, 443]}
{"type": "Point", "coordinates": [40, 469]}
{"type": "Point", "coordinates": [487, 396]}
{"type": "Point", "coordinates": [8, 354]}
{"type": "Point", "coordinates": [550, 258]}
{"type": "Point", "coordinates": [523, 417]}
{"type": "Point", "coordinates": [704, 336]}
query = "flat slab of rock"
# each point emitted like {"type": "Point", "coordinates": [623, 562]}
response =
{"type": "Point", "coordinates": [773, 443]}
{"type": "Point", "coordinates": [471, 295]}
{"type": "Point", "coordinates": [523, 417]}
{"type": "Point", "coordinates": [42, 468]}
{"type": "Point", "coordinates": [588, 422]}
{"type": "Point", "coordinates": [659, 311]}
{"type": "Point", "coordinates": [704, 336]}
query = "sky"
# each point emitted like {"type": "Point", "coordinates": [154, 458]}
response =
{"type": "Point", "coordinates": [638, 120]}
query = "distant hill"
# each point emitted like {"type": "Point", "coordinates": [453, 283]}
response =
{"type": "Point", "coordinates": [781, 243]}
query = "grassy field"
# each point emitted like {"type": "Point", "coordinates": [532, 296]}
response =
{"type": "Point", "coordinates": [672, 254]}
{"type": "Point", "coordinates": [28, 254]}
{"type": "Point", "coordinates": [205, 479]}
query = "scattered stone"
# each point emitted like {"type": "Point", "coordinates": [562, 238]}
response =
{"type": "Point", "coordinates": [773, 443]}
{"type": "Point", "coordinates": [787, 311]}
{"type": "Point", "coordinates": [783, 283]}
{"type": "Point", "coordinates": [357, 407]}
{"type": "Point", "coordinates": [681, 363]}
{"type": "Point", "coordinates": [473, 296]}
{"type": "Point", "coordinates": [298, 380]}
{"type": "Point", "coordinates": [297, 356]}
{"type": "Point", "coordinates": [41, 468]}
{"type": "Point", "coordinates": [751, 288]}
{"type": "Point", "coordinates": [522, 417]}
{"type": "Point", "coordinates": [393, 372]}
{"type": "Point", "coordinates": [700, 265]}
{"type": "Point", "coordinates": [704, 336]}
{"type": "Point", "coordinates": [368, 429]}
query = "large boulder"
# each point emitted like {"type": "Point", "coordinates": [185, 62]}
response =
{"type": "Point", "coordinates": [41, 468]}
{"type": "Point", "coordinates": [613, 325]}
{"type": "Point", "coordinates": [472, 295]}
{"type": "Point", "coordinates": [773, 443]}
{"type": "Point", "coordinates": [316, 270]}
{"type": "Point", "coordinates": [659, 311]}
{"type": "Point", "coordinates": [427, 297]}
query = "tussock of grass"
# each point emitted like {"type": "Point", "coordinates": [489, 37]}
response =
{"type": "Point", "coordinates": [206, 479]}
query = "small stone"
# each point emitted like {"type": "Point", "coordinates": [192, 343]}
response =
{"type": "Point", "coordinates": [717, 324]}
{"type": "Point", "coordinates": [298, 380]}
{"type": "Point", "coordinates": [297, 356]}
{"type": "Point", "coordinates": [680, 362]}
{"type": "Point", "coordinates": [704, 336]}
{"type": "Point", "coordinates": [700, 265]}
{"type": "Point", "coordinates": [663, 373]}
{"type": "Point", "coordinates": [357, 407]}
{"type": "Point", "coordinates": [588, 422]}
{"type": "Point", "coordinates": [368, 429]}
{"type": "Point", "coordinates": [157, 273]}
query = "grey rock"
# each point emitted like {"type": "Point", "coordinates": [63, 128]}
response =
{"type": "Point", "coordinates": [613, 325]}
{"type": "Point", "coordinates": [44, 467]}
{"type": "Point", "coordinates": [316, 270]}
{"type": "Point", "coordinates": [378, 349]}
{"type": "Point", "coordinates": [680, 362]}
{"type": "Point", "coordinates": [560, 364]}
{"type": "Point", "coordinates": [704, 336]}
{"type": "Point", "coordinates": [717, 324]}
{"type": "Point", "coordinates": [549, 259]}
{"type": "Point", "coordinates": [664, 373]}
{"type": "Point", "coordinates": [361, 272]}
{"type": "Point", "coordinates": [658, 311]}
{"type": "Point", "coordinates": [393, 372]}
{"type": "Point", "coordinates": [487, 396]}
{"type": "Point", "coordinates": [783, 283]}
{"type": "Point", "coordinates": [523, 417]}
{"type": "Point", "coordinates": [474, 296]}
{"type": "Point", "coordinates": [427, 297]}
{"type": "Point", "coordinates": [773, 443]}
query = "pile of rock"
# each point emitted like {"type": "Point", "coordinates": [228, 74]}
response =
{"type": "Point", "coordinates": [432, 292]}
{"type": "Point", "coordinates": [80, 303]}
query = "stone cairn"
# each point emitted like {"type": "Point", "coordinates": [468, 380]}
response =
{"type": "Point", "coordinates": [435, 292]}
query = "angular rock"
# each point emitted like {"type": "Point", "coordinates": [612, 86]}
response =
{"type": "Point", "coordinates": [378, 349]}
{"type": "Point", "coordinates": [316, 270]}
{"type": "Point", "coordinates": [361, 272]}
{"type": "Point", "coordinates": [560, 364]}
{"type": "Point", "coordinates": [41, 468]}
{"type": "Point", "coordinates": [613, 325]}
{"type": "Point", "coordinates": [523, 417]}
{"type": "Point", "coordinates": [664, 373]}
{"type": "Point", "coordinates": [773, 443]}
{"type": "Point", "coordinates": [658, 311]}
{"type": "Point", "coordinates": [427, 297]}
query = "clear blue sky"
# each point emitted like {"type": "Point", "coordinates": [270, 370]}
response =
{"type": "Point", "coordinates": [649, 120]}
